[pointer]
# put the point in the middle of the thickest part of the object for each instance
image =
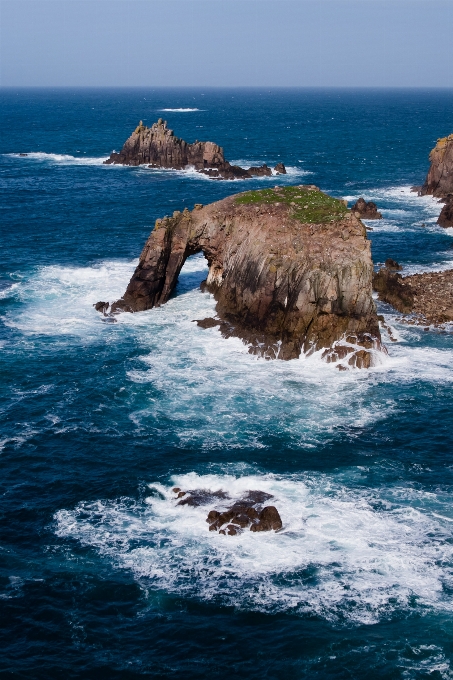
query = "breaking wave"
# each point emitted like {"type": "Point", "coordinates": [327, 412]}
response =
{"type": "Point", "coordinates": [346, 555]}
{"type": "Point", "coordinates": [59, 159]}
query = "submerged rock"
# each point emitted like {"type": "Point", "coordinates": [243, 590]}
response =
{"type": "Point", "coordinates": [245, 513]}
{"type": "Point", "coordinates": [158, 147]}
{"type": "Point", "coordinates": [366, 210]}
{"type": "Point", "coordinates": [290, 268]}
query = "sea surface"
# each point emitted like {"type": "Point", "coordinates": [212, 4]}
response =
{"type": "Point", "coordinates": [102, 576]}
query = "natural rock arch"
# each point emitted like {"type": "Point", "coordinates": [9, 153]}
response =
{"type": "Point", "coordinates": [290, 269]}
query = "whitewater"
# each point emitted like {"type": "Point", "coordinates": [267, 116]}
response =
{"type": "Point", "coordinates": [99, 568]}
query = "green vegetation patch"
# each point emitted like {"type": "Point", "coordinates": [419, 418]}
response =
{"type": "Point", "coordinates": [306, 205]}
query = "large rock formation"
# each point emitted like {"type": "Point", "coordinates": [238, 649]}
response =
{"type": "Point", "coordinates": [290, 269]}
{"type": "Point", "coordinates": [158, 147]}
{"type": "Point", "coordinates": [439, 181]}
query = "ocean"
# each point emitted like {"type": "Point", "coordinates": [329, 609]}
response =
{"type": "Point", "coordinates": [101, 574]}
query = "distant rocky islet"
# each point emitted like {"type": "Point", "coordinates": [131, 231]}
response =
{"type": "Point", "coordinates": [158, 147]}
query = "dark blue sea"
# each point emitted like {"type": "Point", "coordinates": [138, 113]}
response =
{"type": "Point", "coordinates": [102, 576]}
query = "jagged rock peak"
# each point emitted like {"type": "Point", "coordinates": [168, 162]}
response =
{"type": "Point", "coordinates": [289, 267]}
{"type": "Point", "coordinates": [158, 147]}
{"type": "Point", "coordinates": [439, 180]}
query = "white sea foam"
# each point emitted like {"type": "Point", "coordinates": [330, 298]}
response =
{"type": "Point", "coordinates": [306, 399]}
{"type": "Point", "coordinates": [187, 110]}
{"type": "Point", "coordinates": [60, 159]}
{"type": "Point", "coordinates": [343, 554]}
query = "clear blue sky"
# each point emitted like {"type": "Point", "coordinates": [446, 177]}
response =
{"type": "Point", "coordinates": [352, 43]}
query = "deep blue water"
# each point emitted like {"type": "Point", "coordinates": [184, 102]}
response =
{"type": "Point", "coordinates": [100, 575]}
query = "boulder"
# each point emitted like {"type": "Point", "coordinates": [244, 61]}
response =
{"type": "Point", "coordinates": [280, 169]}
{"type": "Point", "coordinates": [366, 210]}
{"type": "Point", "coordinates": [445, 218]}
{"type": "Point", "coordinates": [289, 267]}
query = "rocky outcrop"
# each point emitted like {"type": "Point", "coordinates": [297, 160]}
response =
{"type": "Point", "coordinates": [245, 513]}
{"type": "Point", "coordinates": [367, 211]}
{"type": "Point", "coordinates": [391, 288]}
{"type": "Point", "coordinates": [426, 298]}
{"type": "Point", "coordinates": [439, 181]}
{"type": "Point", "coordinates": [445, 218]}
{"type": "Point", "coordinates": [158, 147]}
{"type": "Point", "coordinates": [290, 269]}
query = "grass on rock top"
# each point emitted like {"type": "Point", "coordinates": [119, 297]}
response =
{"type": "Point", "coordinates": [306, 205]}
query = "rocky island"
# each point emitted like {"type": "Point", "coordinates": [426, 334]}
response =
{"type": "Point", "coordinates": [289, 267]}
{"type": "Point", "coordinates": [158, 147]}
{"type": "Point", "coordinates": [439, 180]}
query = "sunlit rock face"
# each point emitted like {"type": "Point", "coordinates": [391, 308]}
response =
{"type": "Point", "coordinates": [439, 181]}
{"type": "Point", "coordinates": [290, 268]}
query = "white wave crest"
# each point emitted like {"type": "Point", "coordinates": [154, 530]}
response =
{"type": "Point", "coordinates": [59, 159]}
{"type": "Point", "coordinates": [182, 110]}
{"type": "Point", "coordinates": [345, 555]}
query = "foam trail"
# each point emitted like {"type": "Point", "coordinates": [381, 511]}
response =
{"type": "Point", "coordinates": [60, 159]}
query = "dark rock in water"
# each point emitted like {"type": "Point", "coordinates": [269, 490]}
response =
{"type": "Point", "coordinates": [262, 171]}
{"type": "Point", "coordinates": [280, 169]}
{"type": "Point", "coordinates": [439, 180]}
{"type": "Point", "coordinates": [209, 322]}
{"type": "Point", "coordinates": [101, 306]}
{"type": "Point", "coordinates": [392, 289]}
{"type": "Point", "coordinates": [246, 512]}
{"type": "Point", "coordinates": [200, 497]}
{"type": "Point", "coordinates": [158, 147]}
{"type": "Point", "coordinates": [392, 264]}
{"type": "Point", "coordinates": [289, 267]}
{"type": "Point", "coordinates": [269, 520]}
{"type": "Point", "coordinates": [366, 210]}
{"type": "Point", "coordinates": [445, 218]}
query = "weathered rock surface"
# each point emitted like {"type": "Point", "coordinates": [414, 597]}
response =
{"type": "Point", "coordinates": [246, 513]}
{"type": "Point", "coordinates": [158, 147]}
{"type": "Point", "coordinates": [445, 218]}
{"type": "Point", "coordinates": [391, 288]}
{"type": "Point", "coordinates": [428, 297]}
{"type": "Point", "coordinates": [290, 269]}
{"type": "Point", "coordinates": [366, 210]}
{"type": "Point", "coordinates": [439, 181]}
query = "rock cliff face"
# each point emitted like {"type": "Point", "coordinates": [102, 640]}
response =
{"type": "Point", "coordinates": [439, 181]}
{"type": "Point", "coordinates": [445, 218]}
{"type": "Point", "coordinates": [290, 269]}
{"type": "Point", "coordinates": [158, 147]}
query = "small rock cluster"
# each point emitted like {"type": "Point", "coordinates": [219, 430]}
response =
{"type": "Point", "coordinates": [246, 513]}
{"type": "Point", "coordinates": [445, 218]}
{"type": "Point", "coordinates": [367, 210]}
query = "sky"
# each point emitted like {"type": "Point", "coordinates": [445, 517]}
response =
{"type": "Point", "coordinates": [226, 43]}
